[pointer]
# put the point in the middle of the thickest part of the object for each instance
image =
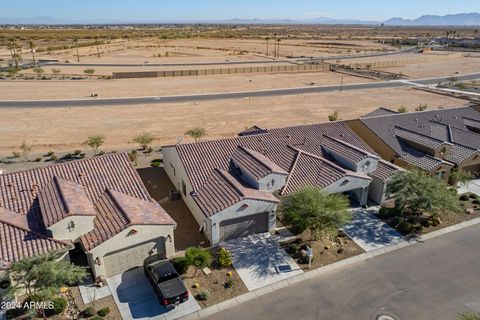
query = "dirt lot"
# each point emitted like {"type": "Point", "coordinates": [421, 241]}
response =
{"type": "Point", "coordinates": [29, 89]}
{"type": "Point", "coordinates": [67, 128]}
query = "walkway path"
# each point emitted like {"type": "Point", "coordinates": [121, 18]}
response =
{"type": "Point", "coordinates": [473, 187]}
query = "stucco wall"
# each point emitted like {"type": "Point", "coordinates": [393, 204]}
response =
{"type": "Point", "coordinates": [377, 191]}
{"type": "Point", "coordinates": [124, 240]}
{"type": "Point", "coordinates": [63, 230]}
{"type": "Point", "coordinates": [358, 185]}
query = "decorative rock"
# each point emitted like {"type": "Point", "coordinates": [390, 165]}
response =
{"type": "Point", "coordinates": [207, 271]}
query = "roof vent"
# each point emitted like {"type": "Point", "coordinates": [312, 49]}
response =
{"type": "Point", "coordinates": [416, 120]}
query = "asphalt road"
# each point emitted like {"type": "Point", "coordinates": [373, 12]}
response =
{"type": "Point", "coordinates": [434, 280]}
{"type": "Point", "coordinates": [219, 96]}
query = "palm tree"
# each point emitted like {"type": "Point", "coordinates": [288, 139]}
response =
{"type": "Point", "coordinates": [32, 49]}
{"type": "Point", "coordinates": [75, 41]}
{"type": "Point", "coordinates": [96, 45]}
{"type": "Point", "coordinates": [278, 47]}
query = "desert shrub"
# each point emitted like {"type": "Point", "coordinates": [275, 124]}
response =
{"type": "Point", "coordinates": [53, 158]}
{"type": "Point", "coordinates": [38, 159]}
{"type": "Point", "coordinates": [203, 296]}
{"type": "Point", "coordinates": [292, 248]}
{"type": "Point", "coordinates": [229, 283]}
{"type": "Point", "coordinates": [101, 153]}
{"type": "Point", "coordinates": [50, 153]}
{"type": "Point", "coordinates": [199, 258]}
{"type": "Point", "coordinates": [395, 221]}
{"type": "Point", "coordinates": [16, 154]}
{"type": "Point", "coordinates": [224, 258]}
{"type": "Point", "coordinates": [89, 312]}
{"type": "Point", "coordinates": [103, 312]}
{"type": "Point", "coordinates": [383, 213]}
{"type": "Point", "coordinates": [476, 201]}
{"type": "Point", "coordinates": [405, 227]}
{"type": "Point", "coordinates": [463, 197]}
{"type": "Point", "coordinates": [181, 264]}
{"type": "Point", "coordinates": [59, 305]}
{"type": "Point", "coordinates": [77, 152]}
{"type": "Point", "coordinates": [473, 196]}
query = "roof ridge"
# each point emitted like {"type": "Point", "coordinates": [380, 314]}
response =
{"type": "Point", "coordinates": [238, 187]}
{"type": "Point", "coordinates": [14, 225]}
{"type": "Point", "coordinates": [110, 192]}
{"type": "Point", "coordinates": [56, 181]}
{"type": "Point", "coordinates": [421, 134]}
{"type": "Point", "coordinates": [345, 143]}
{"type": "Point", "coordinates": [425, 111]}
{"type": "Point", "coordinates": [125, 153]}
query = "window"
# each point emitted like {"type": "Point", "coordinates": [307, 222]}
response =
{"type": "Point", "coordinates": [184, 188]}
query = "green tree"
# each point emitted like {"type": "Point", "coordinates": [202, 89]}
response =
{"type": "Point", "coordinates": [89, 72]}
{"type": "Point", "coordinates": [419, 192]}
{"type": "Point", "coordinates": [199, 258]}
{"type": "Point", "coordinates": [402, 109]}
{"type": "Point", "coordinates": [144, 140]}
{"type": "Point", "coordinates": [42, 277]}
{"type": "Point", "coordinates": [95, 141]}
{"type": "Point", "coordinates": [196, 133]}
{"type": "Point", "coordinates": [25, 149]}
{"type": "Point", "coordinates": [457, 176]}
{"type": "Point", "coordinates": [312, 208]}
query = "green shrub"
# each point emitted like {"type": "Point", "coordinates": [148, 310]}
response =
{"type": "Point", "coordinates": [405, 227]}
{"type": "Point", "coordinates": [103, 312]}
{"type": "Point", "coordinates": [50, 153]}
{"type": "Point", "coordinates": [292, 248]}
{"type": "Point", "coordinates": [383, 213]}
{"type": "Point", "coordinates": [473, 196]}
{"type": "Point", "coordinates": [53, 158]}
{"type": "Point", "coordinates": [77, 152]}
{"type": "Point", "coordinates": [203, 296]}
{"type": "Point", "coordinates": [59, 305]}
{"type": "Point", "coordinates": [96, 318]}
{"type": "Point", "coordinates": [395, 222]}
{"type": "Point", "coordinates": [463, 197]}
{"type": "Point", "coordinates": [224, 258]}
{"type": "Point", "coordinates": [38, 159]}
{"type": "Point", "coordinates": [89, 312]}
{"type": "Point", "coordinates": [476, 201]}
{"type": "Point", "coordinates": [5, 283]}
{"type": "Point", "coordinates": [200, 258]}
{"type": "Point", "coordinates": [181, 264]}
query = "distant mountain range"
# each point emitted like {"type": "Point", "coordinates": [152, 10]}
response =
{"type": "Point", "coordinates": [461, 19]}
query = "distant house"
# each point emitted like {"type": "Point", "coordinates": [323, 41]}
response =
{"type": "Point", "coordinates": [233, 186]}
{"type": "Point", "coordinates": [96, 211]}
{"type": "Point", "coordinates": [435, 141]}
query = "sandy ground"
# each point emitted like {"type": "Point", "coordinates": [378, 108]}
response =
{"type": "Point", "coordinates": [66, 128]}
{"type": "Point", "coordinates": [77, 89]}
{"type": "Point", "coordinates": [440, 69]}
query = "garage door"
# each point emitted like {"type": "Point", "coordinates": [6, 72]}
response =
{"type": "Point", "coordinates": [128, 258]}
{"type": "Point", "coordinates": [244, 226]}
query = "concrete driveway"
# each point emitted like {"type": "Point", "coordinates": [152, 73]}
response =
{"type": "Point", "coordinates": [256, 259]}
{"type": "Point", "coordinates": [369, 232]}
{"type": "Point", "coordinates": [136, 299]}
{"type": "Point", "coordinates": [473, 187]}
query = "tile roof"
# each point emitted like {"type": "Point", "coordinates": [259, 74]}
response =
{"type": "Point", "coordinates": [312, 170]}
{"type": "Point", "coordinates": [385, 170]}
{"type": "Point", "coordinates": [222, 191]}
{"type": "Point", "coordinates": [473, 123]}
{"type": "Point", "coordinates": [253, 131]}
{"type": "Point", "coordinates": [17, 241]}
{"type": "Point", "coordinates": [61, 198]}
{"type": "Point", "coordinates": [47, 194]}
{"type": "Point", "coordinates": [298, 151]}
{"type": "Point", "coordinates": [255, 163]}
{"type": "Point", "coordinates": [380, 112]}
{"type": "Point", "coordinates": [346, 149]}
{"type": "Point", "coordinates": [200, 159]}
{"type": "Point", "coordinates": [447, 125]}
{"type": "Point", "coordinates": [419, 138]}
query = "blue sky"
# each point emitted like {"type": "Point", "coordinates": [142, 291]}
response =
{"type": "Point", "coordinates": [226, 9]}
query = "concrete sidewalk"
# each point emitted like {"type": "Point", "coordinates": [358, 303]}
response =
{"type": "Point", "coordinates": [369, 232]}
{"type": "Point", "coordinates": [256, 259]}
{"type": "Point", "coordinates": [473, 187]}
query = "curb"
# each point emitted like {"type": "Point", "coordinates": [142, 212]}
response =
{"type": "Point", "coordinates": [324, 270]}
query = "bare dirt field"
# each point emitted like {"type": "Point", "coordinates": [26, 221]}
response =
{"type": "Point", "coordinates": [58, 89]}
{"type": "Point", "coordinates": [66, 128]}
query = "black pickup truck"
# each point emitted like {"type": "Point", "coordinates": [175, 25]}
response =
{"type": "Point", "coordinates": [165, 280]}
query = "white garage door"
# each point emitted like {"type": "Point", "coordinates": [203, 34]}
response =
{"type": "Point", "coordinates": [126, 259]}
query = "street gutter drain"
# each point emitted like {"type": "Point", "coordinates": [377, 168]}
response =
{"type": "Point", "coordinates": [385, 317]}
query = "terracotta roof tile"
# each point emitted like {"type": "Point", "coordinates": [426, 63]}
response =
{"type": "Point", "coordinates": [255, 163]}
{"type": "Point", "coordinates": [385, 170]}
{"type": "Point", "coordinates": [346, 149]}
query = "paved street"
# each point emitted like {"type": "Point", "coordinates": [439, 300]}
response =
{"type": "Point", "coordinates": [224, 95]}
{"type": "Point", "coordinates": [434, 280]}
